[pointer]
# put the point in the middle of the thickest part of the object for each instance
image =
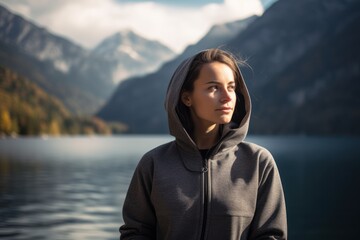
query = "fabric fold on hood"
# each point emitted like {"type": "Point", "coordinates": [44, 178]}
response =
{"type": "Point", "coordinates": [232, 134]}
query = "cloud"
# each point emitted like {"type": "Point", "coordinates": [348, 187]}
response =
{"type": "Point", "coordinates": [87, 22]}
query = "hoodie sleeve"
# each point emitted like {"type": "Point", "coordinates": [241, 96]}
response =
{"type": "Point", "coordinates": [138, 213]}
{"type": "Point", "coordinates": [269, 221]}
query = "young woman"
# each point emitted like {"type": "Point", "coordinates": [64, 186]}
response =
{"type": "Point", "coordinates": [208, 183]}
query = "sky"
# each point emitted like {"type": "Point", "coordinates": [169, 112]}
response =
{"type": "Point", "coordinates": [175, 23]}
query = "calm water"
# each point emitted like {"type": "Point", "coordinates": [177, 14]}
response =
{"type": "Point", "coordinates": [74, 187]}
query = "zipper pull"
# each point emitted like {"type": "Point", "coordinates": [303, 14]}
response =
{"type": "Point", "coordinates": [205, 167]}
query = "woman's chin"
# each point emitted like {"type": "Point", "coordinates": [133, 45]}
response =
{"type": "Point", "coordinates": [224, 120]}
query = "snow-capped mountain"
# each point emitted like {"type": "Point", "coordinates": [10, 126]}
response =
{"type": "Point", "coordinates": [83, 79]}
{"type": "Point", "coordinates": [131, 54]}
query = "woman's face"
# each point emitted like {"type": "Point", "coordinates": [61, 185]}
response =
{"type": "Point", "coordinates": [213, 98]}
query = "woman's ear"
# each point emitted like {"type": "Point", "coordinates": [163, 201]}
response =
{"type": "Point", "coordinates": [186, 99]}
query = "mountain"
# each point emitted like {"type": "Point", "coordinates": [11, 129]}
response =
{"type": "Point", "coordinates": [303, 79]}
{"type": "Point", "coordinates": [44, 58]}
{"type": "Point", "coordinates": [26, 109]}
{"type": "Point", "coordinates": [305, 59]}
{"type": "Point", "coordinates": [38, 42]}
{"type": "Point", "coordinates": [83, 79]}
{"type": "Point", "coordinates": [138, 101]}
{"type": "Point", "coordinates": [131, 54]}
{"type": "Point", "coordinates": [218, 35]}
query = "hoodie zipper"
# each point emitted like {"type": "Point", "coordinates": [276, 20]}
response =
{"type": "Point", "coordinates": [206, 198]}
{"type": "Point", "coordinates": [205, 174]}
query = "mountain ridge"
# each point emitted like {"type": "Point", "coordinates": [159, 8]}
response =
{"type": "Point", "coordinates": [87, 78]}
{"type": "Point", "coordinates": [286, 33]}
{"type": "Point", "coordinates": [143, 55]}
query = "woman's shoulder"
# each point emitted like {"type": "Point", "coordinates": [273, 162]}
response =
{"type": "Point", "coordinates": [160, 151]}
{"type": "Point", "coordinates": [257, 151]}
{"type": "Point", "coordinates": [150, 158]}
{"type": "Point", "coordinates": [254, 147]}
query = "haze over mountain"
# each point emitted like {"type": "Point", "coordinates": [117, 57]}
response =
{"type": "Point", "coordinates": [131, 54]}
{"type": "Point", "coordinates": [83, 79]}
{"type": "Point", "coordinates": [174, 23]}
{"type": "Point", "coordinates": [305, 67]}
{"type": "Point", "coordinates": [138, 101]}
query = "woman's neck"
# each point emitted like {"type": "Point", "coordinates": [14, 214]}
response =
{"type": "Point", "coordinates": [206, 137]}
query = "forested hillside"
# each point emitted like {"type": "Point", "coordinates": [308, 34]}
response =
{"type": "Point", "coordinates": [26, 109]}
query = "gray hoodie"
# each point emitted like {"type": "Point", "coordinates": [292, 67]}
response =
{"type": "Point", "coordinates": [235, 193]}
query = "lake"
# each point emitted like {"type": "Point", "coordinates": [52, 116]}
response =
{"type": "Point", "coordinates": [74, 187]}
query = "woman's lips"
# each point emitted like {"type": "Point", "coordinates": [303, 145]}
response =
{"type": "Point", "coordinates": [225, 109]}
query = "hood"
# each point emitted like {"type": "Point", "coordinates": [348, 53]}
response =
{"type": "Point", "coordinates": [232, 133]}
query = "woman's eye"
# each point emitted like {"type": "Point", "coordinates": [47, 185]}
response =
{"type": "Point", "coordinates": [231, 88]}
{"type": "Point", "coordinates": [213, 88]}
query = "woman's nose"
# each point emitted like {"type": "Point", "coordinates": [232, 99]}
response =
{"type": "Point", "coordinates": [226, 96]}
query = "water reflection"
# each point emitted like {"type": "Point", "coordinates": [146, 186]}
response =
{"type": "Point", "coordinates": [66, 188]}
{"type": "Point", "coordinates": [73, 188]}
